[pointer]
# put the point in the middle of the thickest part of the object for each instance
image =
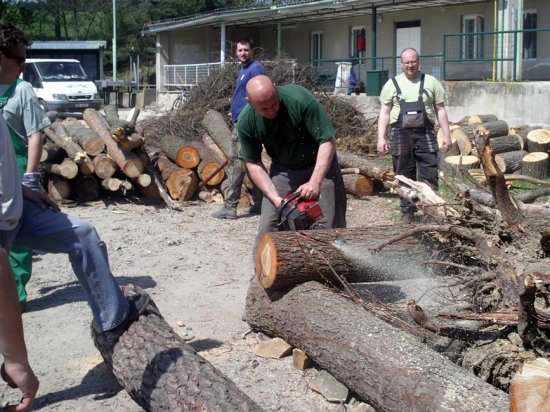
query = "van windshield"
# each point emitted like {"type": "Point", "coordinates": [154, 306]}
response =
{"type": "Point", "coordinates": [60, 71]}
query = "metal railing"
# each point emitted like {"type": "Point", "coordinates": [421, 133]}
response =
{"type": "Point", "coordinates": [497, 55]}
{"type": "Point", "coordinates": [187, 75]}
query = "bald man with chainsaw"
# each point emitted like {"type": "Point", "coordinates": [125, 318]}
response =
{"type": "Point", "coordinates": [299, 137]}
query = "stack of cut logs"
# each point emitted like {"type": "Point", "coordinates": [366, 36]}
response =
{"type": "Point", "coordinates": [522, 151]}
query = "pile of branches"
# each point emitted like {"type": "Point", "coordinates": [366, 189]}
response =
{"type": "Point", "coordinates": [215, 92]}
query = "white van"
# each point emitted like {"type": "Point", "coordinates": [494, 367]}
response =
{"type": "Point", "coordinates": [61, 85]}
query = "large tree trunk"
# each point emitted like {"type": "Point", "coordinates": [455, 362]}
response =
{"type": "Point", "coordinates": [84, 136]}
{"type": "Point", "coordinates": [216, 127]}
{"type": "Point", "coordinates": [128, 162]}
{"type": "Point", "coordinates": [508, 143]}
{"type": "Point", "coordinates": [163, 373]}
{"type": "Point", "coordinates": [181, 183]}
{"type": "Point", "coordinates": [390, 369]}
{"type": "Point", "coordinates": [56, 133]}
{"type": "Point", "coordinates": [494, 128]}
{"type": "Point", "coordinates": [284, 259]}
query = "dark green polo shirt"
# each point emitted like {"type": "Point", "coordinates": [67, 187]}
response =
{"type": "Point", "coordinates": [292, 139]}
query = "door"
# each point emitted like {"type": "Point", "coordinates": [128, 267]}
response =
{"type": "Point", "coordinates": [407, 34]}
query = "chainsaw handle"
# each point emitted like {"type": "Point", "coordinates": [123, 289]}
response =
{"type": "Point", "coordinates": [285, 202]}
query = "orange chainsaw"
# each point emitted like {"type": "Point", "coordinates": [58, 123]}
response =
{"type": "Point", "coordinates": [297, 213]}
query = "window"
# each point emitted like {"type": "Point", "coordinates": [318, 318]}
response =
{"type": "Point", "coordinates": [530, 38]}
{"type": "Point", "coordinates": [472, 46]}
{"type": "Point", "coordinates": [316, 47]}
{"type": "Point", "coordinates": [357, 41]}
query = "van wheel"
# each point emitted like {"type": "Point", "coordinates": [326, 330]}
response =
{"type": "Point", "coordinates": [43, 105]}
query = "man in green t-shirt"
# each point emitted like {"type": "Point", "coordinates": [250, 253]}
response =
{"type": "Point", "coordinates": [299, 137]}
{"type": "Point", "coordinates": [410, 103]}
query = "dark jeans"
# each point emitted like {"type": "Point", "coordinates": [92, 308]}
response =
{"type": "Point", "coordinates": [414, 151]}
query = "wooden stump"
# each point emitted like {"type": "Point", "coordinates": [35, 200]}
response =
{"type": "Point", "coordinates": [389, 368]}
{"type": "Point", "coordinates": [452, 164]}
{"type": "Point", "coordinates": [188, 157]}
{"type": "Point", "coordinates": [538, 140]}
{"type": "Point", "coordinates": [284, 259]}
{"type": "Point", "coordinates": [535, 165]}
{"type": "Point", "coordinates": [163, 373]}
{"type": "Point", "coordinates": [510, 160]}
{"type": "Point", "coordinates": [212, 173]}
{"type": "Point", "coordinates": [358, 185]}
{"type": "Point", "coordinates": [105, 166]}
{"type": "Point", "coordinates": [463, 136]}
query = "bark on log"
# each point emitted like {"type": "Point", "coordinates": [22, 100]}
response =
{"type": "Point", "coordinates": [494, 128]}
{"type": "Point", "coordinates": [132, 142]}
{"type": "Point", "coordinates": [535, 164]}
{"type": "Point", "coordinates": [119, 128]}
{"type": "Point", "coordinates": [464, 136]}
{"type": "Point", "coordinates": [211, 144]}
{"type": "Point", "coordinates": [84, 136]}
{"type": "Point", "coordinates": [358, 185]}
{"type": "Point", "coordinates": [508, 143]}
{"type": "Point", "coordinates": [67, 169]}
{"type": "Point", "coordinates": [387, 367]}
{"type": "Point", "coordinates": [179, 151]}
{"type": "Point", "coordinates": [285, 259]}
{"type": "Point", "coordinates": [150, 192]}
{"type": "Point", "coordinates": [181, 183]}
{"type": "Point", "coordinates": [482, 118]}
{"type": "Point", "coordinates": [59, 188]}
{"type": "Point", "coordinates": [511, 161]}
{"type": "Point", "coordinates": [105, 166]}
{"type": "Point", "coordinates": [216, 127]}
{"type": "Point", "coordinates": [52, 153]}
{"type": "Point", "coordinates": [366, 167]}
{"type": "Point", "coordinates": [128, 162]}
{"type": "Point", "coordinates": [163, 373]}
{"type": "Point", "coordinates": [57, 134]}
{"type": "Point", "coordinates": [538, 140]}
{"type": "Point", "coordinates": [86, 189]}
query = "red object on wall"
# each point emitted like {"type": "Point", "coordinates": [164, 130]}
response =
{"type": "Point", "coordinates": [361, 46]}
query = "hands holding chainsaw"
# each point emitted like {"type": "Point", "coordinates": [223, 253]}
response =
{"type": "Point", "coordinates": [309, 190]}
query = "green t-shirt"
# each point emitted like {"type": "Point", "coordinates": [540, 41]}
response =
{"type": "Point", "coordinates": [293, 137]}
{"type": "Point", "coordinates": [435, 94]}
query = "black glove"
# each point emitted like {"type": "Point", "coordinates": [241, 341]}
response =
{"type": "Point", "coordinates": [32, 181]}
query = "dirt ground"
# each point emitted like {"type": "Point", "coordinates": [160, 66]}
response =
{"type": "Point", "coordinates": [197, 270]}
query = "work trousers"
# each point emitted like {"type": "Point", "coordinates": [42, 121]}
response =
{"type": "Point", "coordinates": [57, 232]}
{"type": "Point", "coordinates": [332, 198]}
{"type": "Point", "coordinates": [236, 171]}
{"type": "Point", "coordinates": [414, 155]}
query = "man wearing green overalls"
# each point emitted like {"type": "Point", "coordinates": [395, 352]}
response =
{"type": "Point", "coordinates": [26, 120]}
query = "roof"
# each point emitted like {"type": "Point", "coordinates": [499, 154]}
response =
{"type": "Point", "coordinates": [68, 45]}
{"type": "Point", "coordinates": [296, 11]}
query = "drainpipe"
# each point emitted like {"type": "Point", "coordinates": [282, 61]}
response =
{"type": "Point", "coordinates": [500, 22]}
{"type": "Point", "coordinates": [222, 43]}
{"type": "Point", "coordinates": [373, 37]}
{"type": "Point", "coordinates": [279, 39]}
{"type": "Point", "coordinates": [519, 41]}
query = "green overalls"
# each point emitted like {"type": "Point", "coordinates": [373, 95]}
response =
{"type": "Point", "coordinates": [20, 258]}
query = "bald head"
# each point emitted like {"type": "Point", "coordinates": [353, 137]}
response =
{"type": "Point", "coordinates": [261, 94]}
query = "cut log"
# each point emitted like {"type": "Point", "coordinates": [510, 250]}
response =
{"type": "Point", "coordinates": [452, 165]}
{"type": "Point", "coordinates": [464, 136]}
{"type": "Point", "coordinates": [144, 180]}
{"type": "Point", "coordinates": [119, 128]}
{"type": "Point", "coordinates": [529, 387]}
{"type": "Point", "coordinates": [212, 173]}
{"type": "Point", "coordinates": [358, 185]}
{"type": "Point", "coordinates": [150, 192]}
{"type": "Point", "coordinates": [213, 147]}
{"type": "Point", "coordinates": [440, 134]}
{"type": "Point", "coordinates": [84, 136]}
{"type": "Point", "coordinates": [508, 143]}
{"type": "Point", "coordinates": [105, 166]}
{"type": "Point", "coordinates": [133, 116]}
{"type": "Point", "coordinates": [163, 373]}
{"type": "Point", "coordinates": [378, 361]}
{"type": "Point", "coordinates": [111, 184]}
{"type": "Point", "coordinates": [510, 160]}
{"type": "Point", "coordinates": [217, 128]}
{"type": "Point", "coordinates": [52, 153]}
{"type": "Point", "coordinates": [132, 142]}
{"type": "Point", "coordinates": [482, 118]}
{"type": "Point", "coordinates": [494, 129]}
{"type": "Point", "coordinates": [535, 164]}
{"type": "Point", "coordinates": [56, 133]}
{"type": "Point", "coordinates": [128, 162]}
{"type": "Point", "coordinates": [366, 167]}
{"type": "Point", "coordinates": [59, 188]}
{"type": "Point", "coordinates": [86, 189]}
{"type": "Point", "coordinates": [538, 140]}
{"type": "Point", "coordinates": [67, 169]}
{"type": "Point", "coordinates": [284, 259]}
{"type": "Point", "coordinates": [188, 157]}
{"type": "Point", "coordinates": [171, 146]}
{"type": "Point", "coordinates": [181, 183]}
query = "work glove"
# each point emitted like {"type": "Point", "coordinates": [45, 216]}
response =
{"type": "Point", "coordinates": [32, 181]}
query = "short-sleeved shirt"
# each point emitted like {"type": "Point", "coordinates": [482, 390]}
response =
{"type": "Point", "coordinates": [293, 137]}
{"type": "Point", "coordinates": [11, 198]}
{"type": "Point", "coordinates": [252, 69]}
{"type": "Point", "coordinates": [23, 112]}
{"type": "Point", "coordinates": [435, 94]}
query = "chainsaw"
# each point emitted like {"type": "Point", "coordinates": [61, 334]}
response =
{"type": "Point", "coordinates": [297, 213]}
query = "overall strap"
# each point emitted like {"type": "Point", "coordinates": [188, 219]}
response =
{"type": "Point", "coordinates": [421, 90]}
{"type": "Point", "coordinates": [5, 97]}
{"type": "Point", "coordinates": [399, 93]}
